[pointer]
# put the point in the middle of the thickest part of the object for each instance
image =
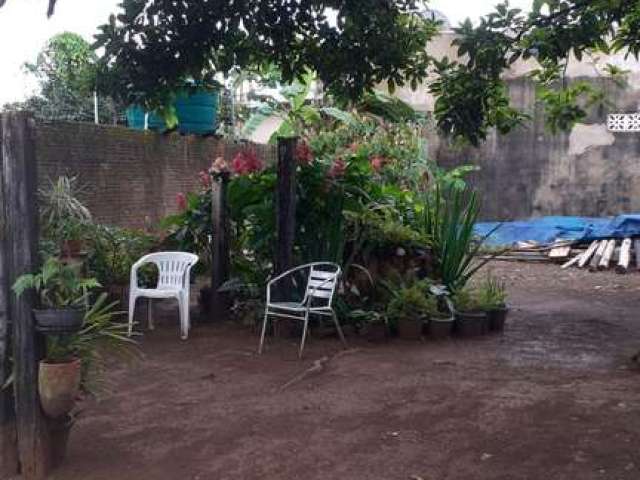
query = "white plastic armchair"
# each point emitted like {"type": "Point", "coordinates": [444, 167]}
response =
{"type": "Point", "coordinates": [318, 298]}
{"type": "Point", "coordinates": [173, 282]}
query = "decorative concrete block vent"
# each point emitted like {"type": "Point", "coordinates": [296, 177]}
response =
{"type": "Point", "coordinates": [623, 122]}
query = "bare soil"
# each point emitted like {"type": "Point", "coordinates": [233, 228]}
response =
{"type": "Point", "coordinates": [555, 398]}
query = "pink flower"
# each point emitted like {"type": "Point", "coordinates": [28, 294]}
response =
{"type": "Point", "coordinates": [304, 155]}
{"type": "Point", "coordinates": [338, 168]}
{"type": "Point", "coordinates": [181, 200]}
{"type": "Point", "coordinates": [205, 179]}
{"type": "Point", "coordinates": [354, 147]}
{"type": "Point", "coordinates": [377, 163]}
{"type": "Point", "coordinates": [219, 167]}
{"type": "Point", "coordinates": [245, 162]}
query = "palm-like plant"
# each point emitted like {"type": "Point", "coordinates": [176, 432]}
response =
{"type": "Point", "coordinates": [448, 220]}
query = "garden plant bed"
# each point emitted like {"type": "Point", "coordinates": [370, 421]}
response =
{"type": "Point", "coordinates": [554, 397]}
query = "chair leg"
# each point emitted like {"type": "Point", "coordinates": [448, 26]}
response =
{"type": "Point", "coordinates": [150, 324]}
{"type": "Point", "coordinates": [184, 333]}
{"type": "Point", "coordinates": [187, 312]}
{"type": "Point", "coordinates": [264, 329]}
{"type": "Point", "coordinates": [335, 319]}
{"type": "Point", "coordinates": [304, 333]}
{"type": "Point", "coordinates": [132, 309]}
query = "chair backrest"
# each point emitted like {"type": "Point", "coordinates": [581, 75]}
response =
{"type": "Point", "coordinates": [323, 279]}
{"type": "Point", "coordinates": [172, 267]}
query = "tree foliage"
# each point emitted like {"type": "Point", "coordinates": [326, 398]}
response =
{"type": "Point", "coordinates": [152, 46]}
{"type": "Point", "coordinates": [66, 70]}
{"type": "Point", "coordinates": [471, 93]}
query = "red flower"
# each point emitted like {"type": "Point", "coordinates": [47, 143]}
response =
{"type": "Point", "coordinates": [304, 155]}
{"type": "Point", "coordinates": [181, 200]}
{"type": "Point", "coordinates": [245, 162]}
{"type": "Point", "coordinates": [377, 163]}
{"type": "Point", "coordinates": [205, 179]}
{"type": "Point", "coordinates": [338, 168]}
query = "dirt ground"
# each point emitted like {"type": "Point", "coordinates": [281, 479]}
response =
{"type": "Point", "coordinates": [554, 398]}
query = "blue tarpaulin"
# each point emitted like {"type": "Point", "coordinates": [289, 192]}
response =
{"type": "Point", "coordinates": [546, 230]}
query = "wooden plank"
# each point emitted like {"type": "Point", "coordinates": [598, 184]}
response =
{"type": "Point", "coordinates": [220, 249]}
{"type": "Point", "coordinates": [595, 261]}
{"type": "Point", "coordinates": [559, 253]}
{"type": "Point", "coordinates": [573, 261]}
{"type": "Point", "coordinates": [625, 256]}
{"type": "Point", "coordinates": [8, 436]}
{"type": "Point", "coordinates": [285, 204]}
{"type": "Point", "coordinates": [21, 238]}
{"type": "Point", "coordinates": [607, 255]}
{"type": "Point", "coordinates": [587, 254]}
{"type": "Point", "coordinates": [636, 247]}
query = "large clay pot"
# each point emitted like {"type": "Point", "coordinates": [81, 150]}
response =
{"type": "Point", "coordinates": [58, 386]}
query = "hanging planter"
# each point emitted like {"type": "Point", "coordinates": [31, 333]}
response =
{"type": "Point", "coordinates": [58, 321]}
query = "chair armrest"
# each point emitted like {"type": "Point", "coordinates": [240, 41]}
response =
{"type": "Point", "coordinates": [133, 280]}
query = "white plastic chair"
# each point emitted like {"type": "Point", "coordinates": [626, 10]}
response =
{"type": "Point", "coordinates": [173, 282]}
{"type": "Point", "coordinates": [318, 298]}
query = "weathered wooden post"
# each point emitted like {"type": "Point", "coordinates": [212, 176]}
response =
{"type": "Point", "coordinates": [220, 249]}
{"type": "Point", "coordinates": [19, 256]}
{"type": "Point", "coordinates": [8, 440]}
{"type": "Point", "coordinates": [286, 204]}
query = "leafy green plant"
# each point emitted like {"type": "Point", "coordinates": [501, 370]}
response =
{"type": "Point", "coordinates": [467, 300]}
{"type": "Point", "coordinates": [63, 215]}
{"type": "Point", "coordinates": [57, 284]}
{"type": "Point", "coordinates": [99, 338]}
{"type": "Point", "coordinates": [411, 303]}
{"type": "Point", "coordinates": [112, 252]}
{"type": "Point", "coordinates": [492, 293]}
{"type": "Point", "coordinates": [448, 220]}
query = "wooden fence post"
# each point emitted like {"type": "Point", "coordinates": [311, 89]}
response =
{"type": "Point", "coordinates": [8, 439]}
{"type": "Point", "coordinates": [285, 204]}
{"type": "Point", "coordinates": [221, 261]}
{"type": "Point", "coordinates": [19, 186]}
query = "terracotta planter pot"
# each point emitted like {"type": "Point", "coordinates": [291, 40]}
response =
{"type": "Point", "coordinates": [58, 321]}
{"type": "Point", "coordinates": [497, 318]}
{"type": "Point", "coordinates": [410, 328]}
{"type": "Point", "coordinates": [440, 328]}
{"type": "Point", "coordinates": [471, 324]}
{"type": "Point", "coordinates": [58, 386]}
{"type": "Point", "coordinates": [375, 332]}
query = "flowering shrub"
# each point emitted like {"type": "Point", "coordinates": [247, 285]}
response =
{"type": "Point", "coordinates": [246, 162]}
{"type": "Point", "coordinates": [304, 155]}
{"type": "Point", "coordinates": [181, 200]}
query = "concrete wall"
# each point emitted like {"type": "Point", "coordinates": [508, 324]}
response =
{"type": "Point", "coordinates": [132, 178]}
{"type": "Point", "coordinates": [530, 172]}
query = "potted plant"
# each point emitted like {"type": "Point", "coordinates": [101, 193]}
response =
{"type": "Point", "coordinates": [409, 309]}
{"type": "Point", "coordinates": [493, 295]}
{"type": "Point", "coordinates": [471, 320]}
{"type": "Point", "coordinates": [64, 218]}
{"type": "Point", "coordinates": [111, 253]}
{"type": "Point", "coordinates": [61, 294]}
{"type": "Point", "coordinates": [73, 333]}
{"type": "Point", "coordinates": [372, 325]}
{"type": "Point", "coordinates": [441, 315]}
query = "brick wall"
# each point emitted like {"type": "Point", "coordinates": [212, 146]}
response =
{"type": "Point", "coordinates": [132, 177]}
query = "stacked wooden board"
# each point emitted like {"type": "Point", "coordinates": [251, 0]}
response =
{"type": "Point", "coordinates": [617, 254]}
{"type": "Point", "coordinates": [606, 254]}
